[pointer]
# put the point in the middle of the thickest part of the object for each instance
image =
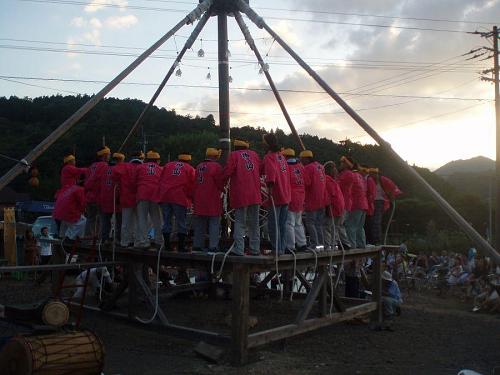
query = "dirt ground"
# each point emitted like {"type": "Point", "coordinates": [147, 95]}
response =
{"type": "Point", "coordinates": [433, 336]}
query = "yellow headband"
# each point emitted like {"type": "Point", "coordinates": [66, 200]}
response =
{"type": "Point", "coordinates": [346, 161]}
{"type": "Point", "coordinates": [240, 143]}
{"type": "Point", "coordinates": [213, 152]}
{"type": "Point", "coordinates": [288, 152]}
{"type": "Point", "coordinates": [119, 156]}
{"type": "Point", "coordinates": [68, 158]}
{"type": "Point", "coordinates": [104, 151]}
{"type": "Point", "coordinates": [153, 155]}
{"type": "Point", "coordinates": [306, 154]}
{"type": "Point", "coordinates": [373, 170]}
{"type": "Point", "coordinates": [184, 157]}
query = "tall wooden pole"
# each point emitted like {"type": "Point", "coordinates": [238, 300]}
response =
{"type": "Point", "coordinates": [447, 208]}
{"type": "Point", "coordinates": [224, 117]}
{"type": "Point", "coordinates": [92, 102]}
{"type": "Point", "coordinates": [497, 117]}
{"type": "Point", "coordinates": [251, 43]}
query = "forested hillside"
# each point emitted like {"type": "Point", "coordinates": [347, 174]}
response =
{"type": "Point", "coordinates": [25, 122]}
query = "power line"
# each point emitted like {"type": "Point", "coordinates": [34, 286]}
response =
{"type": "Point", "coordinates": [39, 86]}
{"type": "Point", "coordinates": [395, 81]}
{"type": "Point", "coordinates": [240, 88]}
{"type": "Point", "coordinates": [134, 7]}
{"type": "Point", "coordinates": [447, 20]}
{"type": "Point", "coordinates": [402, 62]}
{"type": "Point", "coordinates": [427, 119]}
{"type": "Point", "coordinates": [457, 69]}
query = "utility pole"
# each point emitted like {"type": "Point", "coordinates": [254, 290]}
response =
{"type": "Point", "coordinates": [497, 117]}
{"type": "Point", "coordinates": [479, 52]}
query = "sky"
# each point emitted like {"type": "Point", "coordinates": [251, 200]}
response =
{"type": "Point", "coordinates": [402, 64]}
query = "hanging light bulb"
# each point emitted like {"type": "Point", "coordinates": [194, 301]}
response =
{"type": "Point", "coordinates": [228, 53]}
{"type": "Point", "coordinates": [209, 76]}
{"type": "Point", "coordinates": [178, 72]}
{"type": "Point", "coordinates": [201, 53]}
{"type": "Point", "coordinates": [230, 79]}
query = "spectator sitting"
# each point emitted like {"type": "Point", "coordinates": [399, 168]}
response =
{"type": "Point", "coordinates": [391, 297]}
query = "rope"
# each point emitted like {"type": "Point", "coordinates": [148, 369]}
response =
{"type": "Point", "coordinates": [113, 220]}
{"type": "Point", "coordinates": [393, 204]}
{"type": "Point", "coordinates": [293, 274]}
{"type": "Point", "coordinates": [226, 254]}
{"type": "Point", "coordinates": [147, 321]}
{"type": "Point", "coordinates": [276, 258]}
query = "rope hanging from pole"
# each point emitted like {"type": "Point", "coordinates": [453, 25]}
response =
{"type": "Point", "coordinates": [94, 100]}
{"type": "Point", "coordinates": [189, 43]}
{"type": "Point", "coordinates": [452, 213]}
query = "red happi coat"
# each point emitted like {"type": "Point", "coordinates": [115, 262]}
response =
{"type": "Point", "coordinates": [176, 184]}
{"type": "Point", "coordinates": [275, 170]}
{"type": "Point", "coordinates": [346, 179]}
{"type": "Point", "coordinates": [93, 181]}
{"type": "Point", "coordinates": [124, 174]}
{"type": "Point", "coordinates": [208, 187]}
{"type": "Point", "coordinates": [359, 193]}
{"type": "Point", "coordinates": [315, 182]}
{"type": "Point", "coordinates": [70, 174]}
{"type": "Point", "coordinates": [70, 204]}
{"type": "Point", "coordinates": [389, 188]}
{"type": "Point", "coordinates": [147, 178]}
{"type": "Point", "coordinates": [371, 191]}
{"type": "Point", "coordinates": [243, 171]}
{"type": "Point", "coordinates": [297, 187]}
{"type": "Point", "coordinates": [334, 198]}
{"type": "Point", "coordinates": [109, 192]}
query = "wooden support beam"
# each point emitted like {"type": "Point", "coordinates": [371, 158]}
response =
{"type": "Point", "coordinates": [280, 333]}
{"type": "Point", "coordinates": [269, 277]}
{"type": "Point", "coordinates": [177, 330]}
{"type": "Point", "coordinates": [239, 328]}
{"type": "Point", "coordinates": [177, 289]}
{"type": "Point", "coordinates": [147, 291]}
{"type": "Point", "coordinates": [337, 301]}
{"type": "Point", "coordinates": [303, 281]}
{"type": "Point", "coordinates": [311, 297]}
{"type": "Point", "coordinates": [58, 267]}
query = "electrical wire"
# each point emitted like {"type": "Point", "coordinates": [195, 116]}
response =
{"type": "Point", "coordinates": [354, 14]}
{"type": "Point", "coordinates": [159, 9]}
{"type": "Point", "coordinates": [239, 88]}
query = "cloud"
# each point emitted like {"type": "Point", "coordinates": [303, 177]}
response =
{"type": "Point", "coordinates": [79, 22]}
{"type": "Point", "coordinates": [120, 22]}
{"type": "Point", "coordinates": [95, 5]}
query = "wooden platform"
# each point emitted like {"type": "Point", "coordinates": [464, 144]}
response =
{"type": "Point", "coordinates": [240, 269]}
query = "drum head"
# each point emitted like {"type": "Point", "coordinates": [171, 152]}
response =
{"type": "Point", "coordinates": [15, 358]}
{"type": "Point", "coordinates": [55, 313]}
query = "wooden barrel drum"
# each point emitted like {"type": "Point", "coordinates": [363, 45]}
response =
{"type": "Point", "coordinates": [72, 353]}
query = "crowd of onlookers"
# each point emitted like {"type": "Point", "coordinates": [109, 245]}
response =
{"type": "Point", "coordinates": [474, 278]}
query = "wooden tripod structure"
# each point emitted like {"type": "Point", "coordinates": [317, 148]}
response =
{"type": "Point", "coordinates": [222, 9]}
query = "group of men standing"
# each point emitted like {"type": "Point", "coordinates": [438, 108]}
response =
{"type": "Point", "coordinates": [142, 194]}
